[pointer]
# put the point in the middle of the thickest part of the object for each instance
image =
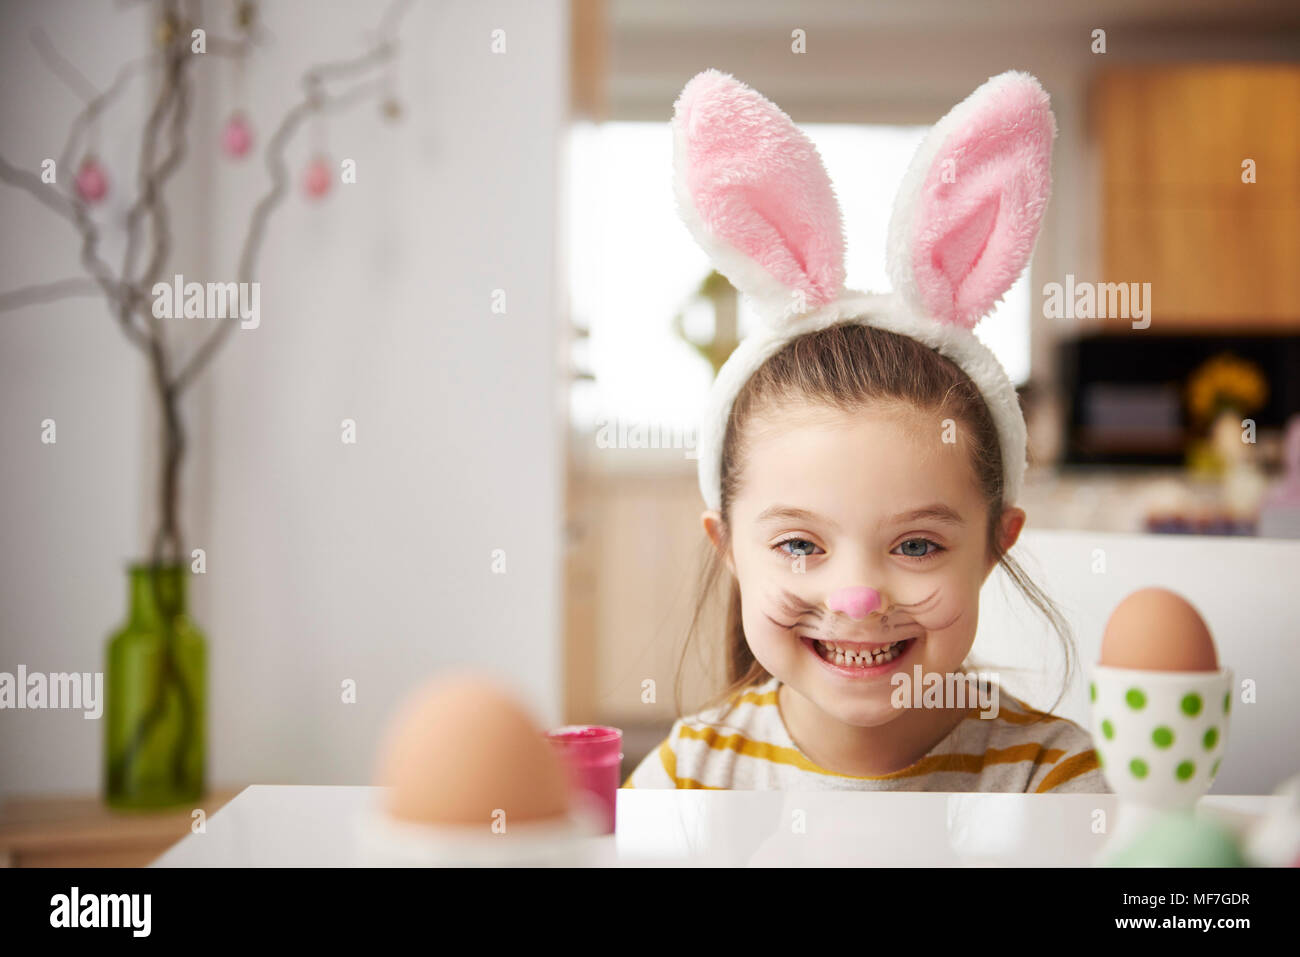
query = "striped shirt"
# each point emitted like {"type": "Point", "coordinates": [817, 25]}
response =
{"type": "Point", "coordinates": [744, 745]}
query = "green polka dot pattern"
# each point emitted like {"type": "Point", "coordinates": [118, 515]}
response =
{"type": "Point", "coordinates": [1157, 739]}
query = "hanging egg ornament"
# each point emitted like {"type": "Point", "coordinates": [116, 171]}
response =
{"type": "Point", "coordinates": [91, 182]}
{"type": "Point", "coordinates": [237, 137]}
{"type": "Point", "coordinates": [317, 178]}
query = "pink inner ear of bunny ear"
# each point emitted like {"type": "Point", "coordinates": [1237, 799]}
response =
{"type": "Point", "coordinates": [981, 204]}
{"type": "Point", "coordinates": [756, 183]}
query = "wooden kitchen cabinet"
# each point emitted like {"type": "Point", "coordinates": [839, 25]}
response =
{"type": "Point", "coordinates": [635, 557]}
{"type": "Point", "coordinates": [1220, 254]}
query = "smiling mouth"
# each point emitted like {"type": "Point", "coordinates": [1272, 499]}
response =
{"type": "Point", "coordinates": [859, 654]}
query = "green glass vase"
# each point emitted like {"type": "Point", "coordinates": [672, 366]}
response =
{"type": "Point", "coordinates": [156, 677]}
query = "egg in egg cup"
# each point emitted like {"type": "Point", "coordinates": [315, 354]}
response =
{"type": "Point", "coordinates": [1160, 704]}
{"type": "Point", "coordinates": [467, 779]}
{"type": "Point", "coordinates": [1160, 735]}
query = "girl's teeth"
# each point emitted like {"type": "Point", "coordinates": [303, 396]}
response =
{"type": "Point", "coordinates": [840, 656]}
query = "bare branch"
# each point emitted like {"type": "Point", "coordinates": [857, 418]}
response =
{"type": "Point", "coordinates": [99, 103]}
{"type": "Point", "coordinates": [315, 98]}
{"type": "Point", "coordinates": [61, 67]}
{"type": "Point", "coordinates": [29, 181]}
{"type": "Point", "coordinates": [148, 222]}
{"type": "Point", "coordinates": [166, 97]}
{"type": "Point", "coordinates": [75, 212]}
{"type": "Point", "coordinates": [314, 79]}
{"type": "Point", "coordinates": [165, 170]}
{"type": "Point", "coordinates": [279, 171]}
{"type": "Point", "coordinates": [392, 18]}
{"type": "Point", "coordinates": [383, 49]}
{"type": "Point", "coordinates": [48, 292]}
{"type": "Point", "coordinates": [122, 295]}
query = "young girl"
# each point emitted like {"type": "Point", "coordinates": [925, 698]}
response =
{"type": "Point", "coordinates": [860, 460]}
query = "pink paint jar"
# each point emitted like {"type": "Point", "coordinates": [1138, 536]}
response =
{"type": "Point", "coordinates": [593, 754]}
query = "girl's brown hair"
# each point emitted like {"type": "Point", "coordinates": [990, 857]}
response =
{"type": "Point", "coordinates": [847, 366]}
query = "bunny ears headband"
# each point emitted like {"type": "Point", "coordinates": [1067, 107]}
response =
{"type": "Point", "coordinates": [754, 194]}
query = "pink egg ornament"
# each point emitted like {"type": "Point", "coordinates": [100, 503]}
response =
{"type": "Point", "coordinates": [92, 181]}
{"type": "Point", "coordinates": [237, 137]}
{"type": "Point", "coordinates": [317, 178]}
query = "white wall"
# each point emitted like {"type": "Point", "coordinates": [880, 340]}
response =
{"type": "Point", "coordinates": [326, 561]}
{"type": "Point", "coordinates": [70, 513]}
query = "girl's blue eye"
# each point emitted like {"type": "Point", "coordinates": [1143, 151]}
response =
{"type": "Point", "coordinates": [801, 546]}
{"type": "Point", "coordinates": [919, 548]}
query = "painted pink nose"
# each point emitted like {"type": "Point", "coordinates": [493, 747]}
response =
{"type": "Point", "coordinates": [854, 602]}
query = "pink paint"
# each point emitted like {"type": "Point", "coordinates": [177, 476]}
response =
{"type": "Point", "coordinates": [854, 602]}
{"type": "Point", "coordinates": [594, 759]}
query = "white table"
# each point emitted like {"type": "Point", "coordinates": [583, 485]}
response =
{"type": "Point", "coordinates": [317, 826]}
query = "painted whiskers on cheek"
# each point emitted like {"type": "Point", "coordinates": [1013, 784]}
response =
{"type": "Point", "coordinates": [796, 615]}
{"type": "Point", "coordinates": [928, 605]}
{"type": "Point", "coordinates": [925, 604]}
{"type": "Point", "coordinates": [799, 615]}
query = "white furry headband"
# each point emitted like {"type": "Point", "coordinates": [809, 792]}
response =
{"type": "Point", "coordinates": [754, 194]}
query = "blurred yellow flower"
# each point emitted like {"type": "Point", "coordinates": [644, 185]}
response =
{"type": "Point", "coordinates": [1225, 382]}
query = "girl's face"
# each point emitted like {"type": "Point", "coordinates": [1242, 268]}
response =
{"type": "Point", "coordinates": [863, 529]}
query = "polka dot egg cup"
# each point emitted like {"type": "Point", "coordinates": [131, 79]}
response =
{"type": "Point", "coordinates": [1160, 735]}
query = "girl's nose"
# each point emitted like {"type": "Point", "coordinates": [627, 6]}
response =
{"type": "Point", "coordinates": [854, 602]}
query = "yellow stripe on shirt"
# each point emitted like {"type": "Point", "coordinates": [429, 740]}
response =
{"type": "Point", "coordinates": [968, 763]}
{"type": "Point", "coordinates": [1021, 713]}
{"type": "Point", "coordinates": [668, 757]}
{"type": "Point", "coordinates": [691, 783]}
{"type": "Point", "coordinates": [1071, 767]}
{"type": "Point", "coordinates": [755, 697]}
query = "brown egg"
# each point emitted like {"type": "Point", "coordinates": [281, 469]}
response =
{"type": "Point", "coordinates": [1155, 629]}
{"type": "Point", "coordinates": [461, 750]}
